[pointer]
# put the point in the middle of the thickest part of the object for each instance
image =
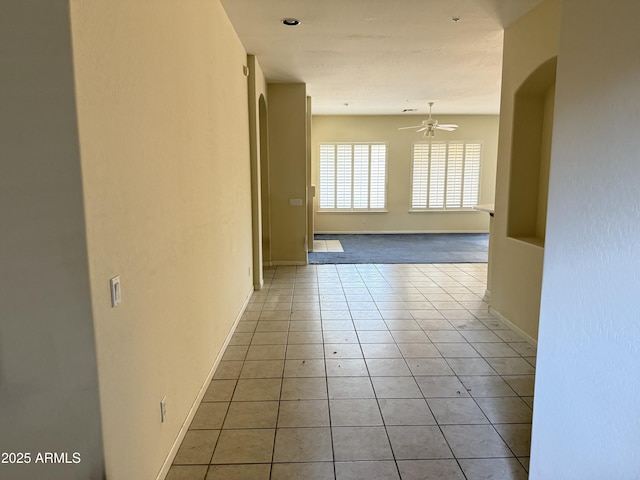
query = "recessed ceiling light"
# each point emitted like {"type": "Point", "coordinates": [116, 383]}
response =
{"type": "Point", "coordinates": [290, 22]}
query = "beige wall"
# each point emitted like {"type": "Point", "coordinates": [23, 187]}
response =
{"type": "Point", "coordinates": [287, 115]}
{"type": "Point", "coordinates": [385, 129]}
{"type": "Point", "coordinates": [585, 422]}
{"type": "Point", "coordinates": [516, 265]}
{"type": "Point", "coordinates": [48, 385]}
{"type": "Point", "coordinates": [164, 140]}
{"type": "Point", "coordinates": [257, 131]}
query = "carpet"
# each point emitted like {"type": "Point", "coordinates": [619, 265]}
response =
{"type": "Point", "coordinates": [406, 248]}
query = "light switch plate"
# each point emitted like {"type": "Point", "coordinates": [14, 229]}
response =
{"type": "Point", "coordinates": [163, 409]}
{"type": "Point", "coordinates": [116, 293]}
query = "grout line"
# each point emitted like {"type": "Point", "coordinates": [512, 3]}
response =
{"type": "Point", "coordinates": [397, 290]}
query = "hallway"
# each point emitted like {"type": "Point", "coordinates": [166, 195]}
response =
{"type": "Point", "coordinates": [366, 372]}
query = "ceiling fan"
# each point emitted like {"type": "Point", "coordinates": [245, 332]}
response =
{"type": "Point", "coordinates": [430, 125]}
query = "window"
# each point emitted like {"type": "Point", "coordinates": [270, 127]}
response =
{"type": "Point", "coordinates": [446, 175]}
{"type": "Point", "coordinates": [353, 176]}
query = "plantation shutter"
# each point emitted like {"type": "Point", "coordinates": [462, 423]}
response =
{"type": "Point", "coordinates": [471, 186]}
{"type": "Point", "coordinates": [360, 176]}
{"type": "Point", "coordinates": [378, 176]}
{"type": "Point", "coordinates": [353, 176]}
{"type": "Point", "coordinates": [343, 176]}
{"type": "Point", "coordinates": [445, 175]}
{"type": "Point", "coordinates": [327, 176]}
{"type": "Point", "coordinates": [455, 166]}
{"type": "Point", "coordinates": [437, 175]}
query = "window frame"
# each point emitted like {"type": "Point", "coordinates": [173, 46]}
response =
{"type": "Point", "coordinates": [444, 208]}
{"type": "Point", "coordinates": [352, 209]}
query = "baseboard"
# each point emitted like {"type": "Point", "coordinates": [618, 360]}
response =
{"type": "Point", "coordinates": [393, 232]}
{"type": "Point", "coordinates": [530, 340]}
{"type": "Point", "coordinates": [203, 389]}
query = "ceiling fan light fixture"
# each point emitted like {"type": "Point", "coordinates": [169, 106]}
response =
{"type": "Point", "coordinates": [291, 22]}
{"type": "Point", "coordinates": [429, 126]}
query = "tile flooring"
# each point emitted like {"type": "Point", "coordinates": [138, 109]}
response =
{"type": "Point", "coordinates": [366, 372]}
{"type": "Point", "coordinates": [327, 246]}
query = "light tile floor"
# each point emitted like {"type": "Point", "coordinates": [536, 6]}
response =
{"type": "Point", "coordinates": [327, 246]}
{"type": "Point", "coordinates": [366, 372]}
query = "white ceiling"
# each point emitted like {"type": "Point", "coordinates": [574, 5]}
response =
{"type": "Point", "coordinates": [382, 56]}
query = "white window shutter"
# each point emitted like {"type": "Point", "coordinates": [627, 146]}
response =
{"type": "Point", "coordinates": [360, 176]}
{"type": "Point", "coordinates": [437, 175]}
{"type": "Point", "coordinates": [420, 176]}
{"type": "Point", "coordinates": [343, 177]}
{"type": "Point", "coordinates": [445, 175]}
{"type": "Point", "coordinates": [353, 176]}
{"type": "Point", "coordinates": [378, 176]}
{"type": "Point", "coordinates": [471, 185]}
{"type": "Point", "coordinates": [327, 176]}
{"type": "Point", "coordinates": [455, 167]}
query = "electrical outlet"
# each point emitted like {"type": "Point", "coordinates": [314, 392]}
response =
{"type": "Point", "coordinates": [163, 409]}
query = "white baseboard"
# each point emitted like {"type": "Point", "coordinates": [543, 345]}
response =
{"type": "Point", "coordinates": [203, 389]}
{"type": "Point", "coordinates": [288, 263]}
{"type": "Point", "coordinates": [393, 232]}
{"type": "Point", "coordinates": [530, 340]}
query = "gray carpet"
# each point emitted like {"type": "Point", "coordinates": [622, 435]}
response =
{"type": "Point", "coordinates": [406, 248]}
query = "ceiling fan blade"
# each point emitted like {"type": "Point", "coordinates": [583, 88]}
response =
{"type": "Point", "coordinates": [414, 126]}
{"type": "Point", "coordinates": [422, 129]}
{"type": "Point", "coordinates": [447, 127]}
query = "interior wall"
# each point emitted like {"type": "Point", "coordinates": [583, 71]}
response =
{"type": "Point", "coordinates": [257, 93]}
{"type": "Point", "coordinates": [310, 191]}
{"type": "Point", "coordinates": [265, 187]}
{"type": "Point", "coordinates": [530, 155]}
{"type": "Point", "coordinates": [287, 116]}
{"type": "Point", "coordinates": [545, 161]}
{"type": "Point", "coordinates": [516, 265]}
{"type": "Point", "coordinates": [48, 386]}
{"type": "Point", "coordinates": [398, 218]}
{"type": "Point", "coordinates": [585, 423]}
{"type": "Point", "coordinates": [164, 139]}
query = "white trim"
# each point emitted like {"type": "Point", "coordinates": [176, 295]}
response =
{"type": "Point", "coordinates": [203, 389]}
{"type": "Point", "coordinates": [338, 211]}
{"type": "Point", "coordinates": [530, 340]}
{"type": "Point", "coordinates": [442, 210]}
{"type": "Point", "coordinates": [392, 232]}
